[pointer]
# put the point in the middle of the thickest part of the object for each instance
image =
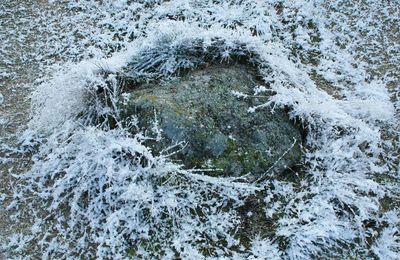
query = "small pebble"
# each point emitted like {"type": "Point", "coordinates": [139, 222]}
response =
{"type": "Point", "coordinates": [1, 99]}
{"type": "Point", "coordinates": [3, 121]}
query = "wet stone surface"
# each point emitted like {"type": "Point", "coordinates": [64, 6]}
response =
{"type": "Point", "coordinates": [220, 133]}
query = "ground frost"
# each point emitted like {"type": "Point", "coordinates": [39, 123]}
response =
{"type": "Point", "coordinates": [96, 190]}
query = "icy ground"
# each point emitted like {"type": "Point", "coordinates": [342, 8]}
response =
{"type": "Point", "coordinates": [75, 186]}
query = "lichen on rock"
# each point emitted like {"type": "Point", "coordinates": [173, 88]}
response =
{"type": "Point", "coordinates": [202, 110]}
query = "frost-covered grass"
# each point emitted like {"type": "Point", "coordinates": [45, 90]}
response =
{"type": "Point", "coordinates": [96, 190]}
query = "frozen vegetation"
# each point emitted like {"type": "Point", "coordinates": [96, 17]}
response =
{"type": "Point", "coordinates": [97, 190]}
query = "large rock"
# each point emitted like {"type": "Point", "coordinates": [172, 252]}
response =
{"type": "Point", "coordinates": [200, 109]}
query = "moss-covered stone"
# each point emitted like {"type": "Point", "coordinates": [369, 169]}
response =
{"type": "Point", "coordinates": [200, 109]}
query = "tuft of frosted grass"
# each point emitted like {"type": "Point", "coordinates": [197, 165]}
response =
{"type": "Point", "coordinates": [387, 246]}
{"type": "Point", "coordinates": [95, 190]}
{"type": "Point", "coordinates": [262, 248]}
{"type": "Point", "coordinates": [105, 192]}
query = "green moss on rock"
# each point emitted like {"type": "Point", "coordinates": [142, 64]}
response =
{"type": "Point", "coordinates": [200, 109]}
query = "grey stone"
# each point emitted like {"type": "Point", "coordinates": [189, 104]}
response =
{"type": "Point", "coordinates": [200, 109]}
